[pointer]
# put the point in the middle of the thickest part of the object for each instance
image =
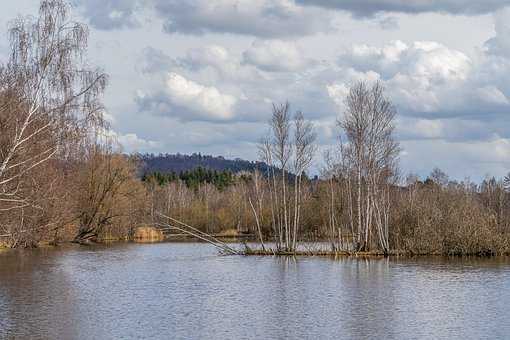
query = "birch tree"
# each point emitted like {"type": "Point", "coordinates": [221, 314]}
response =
{"type": "Point", "coordinates": [290, 147]}
{"type": "Point", "coordinates": [49, 102]}
{"type": "Point", "coordinates": [304, 151]}
{"type": "Point", "coordinates": [372, 152]}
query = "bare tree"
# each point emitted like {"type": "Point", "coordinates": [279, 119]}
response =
{"type": "Point", "coordinates": [290, 147]}
{"type": "Point", "coordinates": [304, 151]}
{"type": "Point", "coordinates": [266, 155]}
{"type": "Point", "coordinates": [439, 177]}
{"type": "Point", "coordinates": [372, 153]}
{"type": "Point", "coordinates": [106, 189]}
{"type": "Point", "coordinates": [282, 152]}
{"type": "Point", "coordinates": [49, 101]}
{"type": "Point", "coordinates": [257, 209]}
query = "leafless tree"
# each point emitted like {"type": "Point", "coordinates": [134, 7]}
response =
{"type": "Point", "coordinates": [49, 102]}
{"type": "Point", "coordinates": [266, 156]}
{"type": "Point", "coordinates": [282, 152]}
{"type": "Point", "coordinates": [257, 208]}
{"type": "Point", "coordinates": [107, 187]}
{"type": "Point", "coordinates": [304, 151]}
{"type": "Point", "coordinates": [290, 147]}
{"type": "Point", "coordinates": [372, 152]}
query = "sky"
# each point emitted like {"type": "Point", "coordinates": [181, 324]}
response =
{"type": "Point", "coordinates": [201, 75]}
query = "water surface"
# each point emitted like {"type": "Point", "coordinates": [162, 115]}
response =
{"type": "Point", "coordinates": [187, 291]}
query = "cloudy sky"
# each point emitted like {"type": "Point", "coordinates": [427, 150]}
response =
{"type": "Point", "coordinates": [200, 75]}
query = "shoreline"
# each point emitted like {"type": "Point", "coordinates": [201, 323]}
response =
{"type": "Point", "coordinates": [259, 252]}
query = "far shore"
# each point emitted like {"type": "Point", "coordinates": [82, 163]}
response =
{"type": "Point", "coordinates": [253, 248]}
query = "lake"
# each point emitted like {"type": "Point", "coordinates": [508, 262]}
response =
{"type": "Point", "coordinates": [188, 291]}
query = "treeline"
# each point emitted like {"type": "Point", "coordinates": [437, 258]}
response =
{"type": "Point", "coordinates": [430, 216]}
{"type": "Point", "coordinates": [167, 163]}
{"type": "Point", "coordinates": [192, 178]}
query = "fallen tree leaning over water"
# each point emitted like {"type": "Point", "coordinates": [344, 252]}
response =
{"type": "Point", "coordinates": [194, 232]}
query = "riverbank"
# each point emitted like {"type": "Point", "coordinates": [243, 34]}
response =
{"type": "Point", "coordinates": [344, 253]}
{"type": "Point", "coordinates": [251, 247]}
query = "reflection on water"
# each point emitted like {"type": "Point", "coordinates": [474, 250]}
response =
{"type": "Point", "coordinates": [186, 291]}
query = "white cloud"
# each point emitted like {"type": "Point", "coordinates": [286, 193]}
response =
{"type": "Point", "coordinates": [130, 142]}
{"type": "Point", "coordinates": [111, 14]}
{"type": "Point", "coordinates": [264, 18]}
{"type": "Point", "coordinates": [452, 107]}
{"type": "Point", "coordinates": [213, 55]}
{"type": "Point", "coordinates": [424, 60]}
{"type": "Point", "coordinates": [275, 55]}
{"type": "Point", "coordinates": [427, 78]}
{"type": "Point", "coordinates": [200, 101]}
{"type": "Point", "coordinates": [420, 128]}
{"type": "Point", "coordinates": [338, 92]}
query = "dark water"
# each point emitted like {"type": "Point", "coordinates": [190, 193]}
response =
{"type": "Point", "coordinates": [186, 291]}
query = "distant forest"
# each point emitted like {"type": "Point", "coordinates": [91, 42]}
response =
{"type": "Point", "coordinates": [193, 178]}
{"type": "Point", "coordinates": [178, 163]}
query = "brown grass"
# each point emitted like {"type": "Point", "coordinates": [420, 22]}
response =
{"type": "Point", "coordinates": [229, 233]}
{"type": "Point", "coordinates": [148, 234]}
{"type": "Point", "coordinates": [328, 253]}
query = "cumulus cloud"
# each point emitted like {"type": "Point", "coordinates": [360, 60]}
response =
{"type": "Point", "coordinates": [339, 91]}
{"type": "Point", "coordinates": [423, 59]}
{"type": "Point", "coordinates": [189, 100]}
{"type": "Point", "coordinates": [265, 18]}
{"type": "Point", "coordinates": [111, 14]}
{"type": "Point", "coordinates": [211, 55]}
{"type": "Point", "coordinates": [214, 63]}
{"type": "Point", "coordinates": [369, 8]}
{"type": "Point", "coordinates": [420, 128]}
{"type": "Point", "coordinates": [275, 55]}
{"type": "Point", "coordinates": [452, 107]}
{"type": "Point", "coordinates": [154, 60]}
{"type": "Point", "coordinates": [130, 142]}
{"type": "Point", "coordinates": [252, 86]}
{"type": "Point", "coordinates": [428, 79]}
{"type": "Point", "coordinates": [199, 98]}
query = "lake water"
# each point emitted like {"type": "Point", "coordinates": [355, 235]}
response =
{"type": "Point", "coordinates": [187, 291]}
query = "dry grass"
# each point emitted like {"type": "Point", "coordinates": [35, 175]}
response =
{"type": "Point", "coordinates": [148, 234]}
{"type": "Point", "coordinates": [229, 233]}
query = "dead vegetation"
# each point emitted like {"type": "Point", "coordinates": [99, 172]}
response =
{"type": "Point", "coordinates": [148, 234]}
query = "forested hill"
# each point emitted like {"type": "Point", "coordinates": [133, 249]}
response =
{"type": "Point", "coordinates": [166, 163]}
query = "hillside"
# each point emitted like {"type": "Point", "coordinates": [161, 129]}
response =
{"type": "Point", "coordinates": [178, 163]}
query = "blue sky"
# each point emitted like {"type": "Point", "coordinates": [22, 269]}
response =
{"type": "Point", "coordinates": [200, 75]}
